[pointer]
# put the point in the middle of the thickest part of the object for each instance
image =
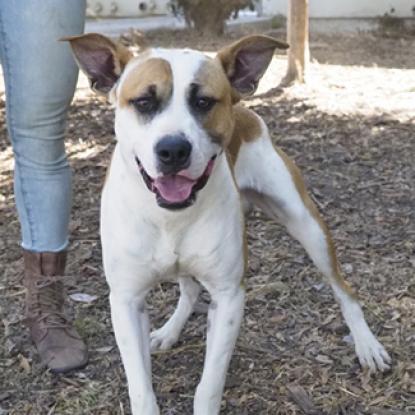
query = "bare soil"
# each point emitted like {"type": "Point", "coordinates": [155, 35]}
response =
{"type": "Point", "coordinates": [352, 132]}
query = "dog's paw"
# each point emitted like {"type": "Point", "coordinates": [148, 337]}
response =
{"type": "Point", "coordinates": [372, 354]}
{"type": "Point", "coordinates": [163, 338]}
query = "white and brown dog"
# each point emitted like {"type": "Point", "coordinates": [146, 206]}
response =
{"type": "Point", "coordinates": [188, 158]}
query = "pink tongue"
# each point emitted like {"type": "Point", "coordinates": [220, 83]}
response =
{"type": "Point", "coordinates": [174, 189]}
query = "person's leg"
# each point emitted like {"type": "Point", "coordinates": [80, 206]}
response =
{"type": "Point", "coordinates": [40, 77]}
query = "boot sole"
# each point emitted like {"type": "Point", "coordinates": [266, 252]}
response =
{"type": "Point", "coordinates": [57, 371]}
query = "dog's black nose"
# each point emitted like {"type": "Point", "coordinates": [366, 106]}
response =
{"type": "Point", "coordinates": [173, 153]}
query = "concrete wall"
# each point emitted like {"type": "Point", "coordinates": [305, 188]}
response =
{"type": "Point", "coordinates": [318, 8]}
{"type": "Point", "coordinates": [125, 8]}
{"type": "Point", "coordinates": [345, 8]}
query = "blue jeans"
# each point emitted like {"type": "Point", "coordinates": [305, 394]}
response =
{"type": "Point", "coordinates": [40, 78]}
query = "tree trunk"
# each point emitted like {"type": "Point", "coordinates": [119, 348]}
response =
{"type": "Point", "coordinates": [297, 36]}
{"type": "Point", "coordinates": [208, 17]}
{"type": "Point", "coordinates": [209, 22]}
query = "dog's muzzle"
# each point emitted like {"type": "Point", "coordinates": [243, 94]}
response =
{"type": "Point", "coordinates": [175, 191]}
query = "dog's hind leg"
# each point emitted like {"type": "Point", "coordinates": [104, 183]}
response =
{"type": "Point", "coordinates": [270, 180]}
{"type": "Point", "coordinates": [166, 336]}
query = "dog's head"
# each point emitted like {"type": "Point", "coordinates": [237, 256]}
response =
{"type": "Point", "coordinates": [174, 107]}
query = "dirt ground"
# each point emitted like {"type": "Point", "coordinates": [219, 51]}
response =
{"type": "Point", "coordinates": [352, 132]}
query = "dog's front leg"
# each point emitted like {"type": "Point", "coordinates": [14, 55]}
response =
{"type": "Point", "coordinates": [224, 320]}
{"type": "Point", "coordinates": [131, 328]}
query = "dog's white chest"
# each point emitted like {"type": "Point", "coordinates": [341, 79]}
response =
{"type": "Point", "coordinates": [140, 237]}
{"type": "Point", "coordinates": [166, 256]}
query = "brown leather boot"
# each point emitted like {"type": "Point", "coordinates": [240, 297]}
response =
{"type": "Point", "coordinates": [59, 345]}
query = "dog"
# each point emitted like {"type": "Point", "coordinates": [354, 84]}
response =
{"type": "Point", "coordinates": [189, 159]}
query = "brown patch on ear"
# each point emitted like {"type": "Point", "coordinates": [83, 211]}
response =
{"type": "Point", "coordinates": [101, 59]}
{"type": "Point", "coordinates": [154, 72]}
{"type": "Point", "coordinates": [212, 82]}
{"type": "Point", "coordinates": [247, 128]}
{"type": "Point", "coordinates": [246, 61]}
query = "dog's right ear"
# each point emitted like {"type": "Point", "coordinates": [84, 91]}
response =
{"type": "Point", "coordinates": [100, 59]}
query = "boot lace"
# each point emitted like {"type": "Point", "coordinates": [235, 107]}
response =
{"type": "Point", "coordinates": [47, 303]}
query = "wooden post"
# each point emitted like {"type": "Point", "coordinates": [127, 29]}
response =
{"type": "Point", "coordinates": [297, 37]}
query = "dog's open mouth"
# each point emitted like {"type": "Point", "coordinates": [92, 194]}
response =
{"type": "Point", "coordinates": [176, 191]}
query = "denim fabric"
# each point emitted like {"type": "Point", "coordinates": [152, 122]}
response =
{"type": "Point", "coordinates": [40, 78]}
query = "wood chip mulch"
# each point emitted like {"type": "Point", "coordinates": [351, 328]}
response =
{"type": "Point", "coordinates": [294, 354]}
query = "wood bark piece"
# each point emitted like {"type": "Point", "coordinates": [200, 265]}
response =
{"type": "Point", "coordinates": [301, 398]}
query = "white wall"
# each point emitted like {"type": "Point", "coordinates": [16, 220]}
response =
{"type": "Point", "coordinates": [125, 8]}
{"type": "Point", "coordinates": [318, 8]}
{"type": "Point", "coordinates": [345, 8]}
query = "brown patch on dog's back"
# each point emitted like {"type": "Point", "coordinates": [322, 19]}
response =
{"type": "Point", "coordinates": [151, 72]}
{"type": "Point", "coordinates": [213, 83]}
{"type": "Point", "coordinates": [247, 128]}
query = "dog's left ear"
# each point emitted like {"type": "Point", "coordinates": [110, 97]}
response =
{"type": "Point", "coordinates": [100, 59]}
{"type": "Point", "coordinates": [246, 61]}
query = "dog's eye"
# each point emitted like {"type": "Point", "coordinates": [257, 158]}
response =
{"type": "Point", "coordinates": [145, 105]}
{"type": "Point", "coordinates": [204, 104]}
